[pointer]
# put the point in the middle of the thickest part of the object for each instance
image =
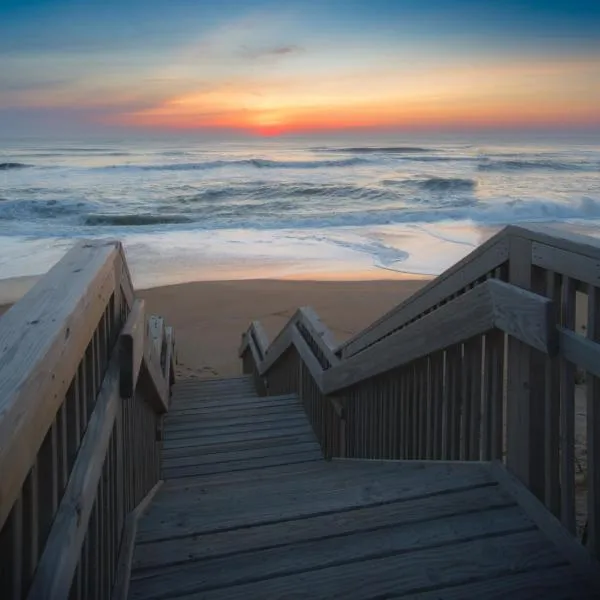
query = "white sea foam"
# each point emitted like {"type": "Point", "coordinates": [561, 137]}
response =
{"type": "Point", "coordinates": [280, 207]}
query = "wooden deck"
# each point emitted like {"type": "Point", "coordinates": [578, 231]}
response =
{"type": "Point", "coordinates": [249, 509]}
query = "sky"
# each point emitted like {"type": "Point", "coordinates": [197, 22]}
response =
{"type": "Point", "coordinates": [276, 68]}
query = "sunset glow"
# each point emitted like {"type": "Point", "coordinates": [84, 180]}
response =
{"type": "Point", "coordinates": [258, 68]}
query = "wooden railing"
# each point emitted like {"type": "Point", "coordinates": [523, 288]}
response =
{"type": "Point", "coordinates": [482, 363]}
{"type": "Point", "coordinates": [84, 380]}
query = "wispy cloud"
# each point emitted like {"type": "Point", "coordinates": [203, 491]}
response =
{"type": "Point", "coordinates": [267, 52]}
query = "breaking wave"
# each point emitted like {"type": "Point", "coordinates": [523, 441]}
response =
{"type": "Point", "coordinates": [542, 164]}
{"type": "Point", "coordinates": [131, 220]}
{"type": "Point", "coordinates": [5, 166]}
{"type": "Point", "coordinates": [258, 163]}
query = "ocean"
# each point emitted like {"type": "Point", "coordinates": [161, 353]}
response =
{"type": "Point", "coordinates": [192, 210]}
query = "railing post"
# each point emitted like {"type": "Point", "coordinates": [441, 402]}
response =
{"type": "Point", "coordinates": [525, 389]}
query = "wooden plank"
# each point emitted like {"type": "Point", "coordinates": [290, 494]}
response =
{"type": "Point", "coordinates": [525, 441]}
{"type": "Point", "coordinates": [191, 440]}
{"type": "Point", "coordinates": [120, 590]}
{"type": "Point", "coordinates": [405, 573]}
{"type": "Point", "coordinates": [555, 583]}
{"type": "Point", "coordinates": [200, 458]}
{"type": "Point", "coordinates": [566, 545]}
{"type": "Point", "coordinates": [195, 428]}
{"type": "Point", "coordinates": [171, 472]}
{"type": "Point", "coordinates": [170, 359]}
{"type": "Point", "coordinates": [525, 316]}
{"type": "Point", "coordinates": [173, 423]}
{"type": "Point", "coordinates": [270, 442]}
{"type": "Point", "coordinates": [558, 237]}
{"type": "Point", "coordinates": [403, 512]}
{"type": "Point", "coordinates": [231, 434]}
{"type": "Point", "coordinates": [579, 351]}
{"type": "Point", "coordinates": [552, 412]}
{"type": "Point", "coordinates": [475, 265]}
{"type": "Point", "coordinates": [354, 547]}
{"type": "Point", "coordinates": [566, 262]}
{"type": "Point", "coordinates": [214, 508]}
{"type": "Point", "coordinates": [593, 428]}
{"type": "Point", "coordinates": [567, 414]}
{"type": "Point", "coordinates": [152, 371]}
{"type": "Point", "coordinates": [132, 348]}
{"type": "Point", "coordinates": [156, 330]}
{"type": "Point", "coordinates": [63, 547]}
{"type": "Point", "coordinates": [42, 340]}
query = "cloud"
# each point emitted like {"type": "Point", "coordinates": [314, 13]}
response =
{"type": "Point", "coordinates": [266, 52]}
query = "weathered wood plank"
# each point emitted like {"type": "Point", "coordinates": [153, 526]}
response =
{"type": "Point", "coordinates": [132, 348]}
{"type": "Point", "coordinates": [42, 340]}
{"type": "Point", "coordinates": [201, 458]}
{"type": "Point", "coordinates": [555, 583]}
{"type": "Point", "coordinates": [192, 470]}
{"type": "Point", "coordinates": [435, 567]}
{"type": "Point", "coordinates": [567, 414]}
{"type": "Point", "coordinates": [121, 588]}
{"type": "Point", "coordinates": [184, 550]}
{"type": "Point", "coordinates": [171, 513]}
{"type": "Point", "coordinates": [593, 428]}
{"type": "Point", "coordinates": [566, 545]}
{"type": "Point", "coordinates": [354, 547]}
{"type": "Point", "coordinates": [566, 262]}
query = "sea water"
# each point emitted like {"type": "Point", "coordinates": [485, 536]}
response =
{"type": "Point", "coordinates": [193, 209]}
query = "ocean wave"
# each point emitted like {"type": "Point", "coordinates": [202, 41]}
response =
{"type": "Point", "coordinates": [5, 166]}
{"type": "Point", "coordinates": [542, 164]}
{"type": "Point", "coordinates": [378, 150]}
{"type": "Point", "coordinates": [259, 163]}
{"type": "Point", "coordinates": [27, 210]}
{"type": "Point", "coordinates": [435, 184]}
{"type": "Point", "coordinates": [133, 220]}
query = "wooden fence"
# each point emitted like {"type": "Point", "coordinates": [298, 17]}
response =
{"type": "Point", "coordinates": [84, 380]}
{"type": "Point", "coordinates": [482, 363]}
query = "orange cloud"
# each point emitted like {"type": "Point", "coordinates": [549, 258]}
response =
{"type": "Point", "coordinates": [517, 94]}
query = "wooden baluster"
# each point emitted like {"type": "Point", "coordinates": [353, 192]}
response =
{"type": "Point", "coordinates": [437, 394]}
{"type": "Point", "coordinates": [593, 429]}
{"type": "Point", "coordinates": [11, 553]}
{"type": "Point", "coordinates": [552, 414]}
{"type": "Point", "coordinates": [404, 423]}
{"type": "Point", "coordinates": [472, 391]}
{"type": "Point", "coordinates": [31, 534]}
{"type": "Point", "coordinates": [493, 429]}
{"type": "Point", "coordinates": [47, 482]}
{"type": "Point", "coordinates": [72, 404]}
{"type": "Point", "coordinates": [454, 367]}
{"type": "Point", "coordinates": [567, 414]}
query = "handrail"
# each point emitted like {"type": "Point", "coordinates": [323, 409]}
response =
{"type": "Point", "coordinates": [84, 381]}
{"type": "Point", "coordinates": [480, 363]}
{"type": "Point", "coordinates": [493, 304]}
{"type": "Point", "coordinates": [548, 245]}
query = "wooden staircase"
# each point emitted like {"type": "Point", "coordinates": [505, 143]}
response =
{"type": "Point", "coordinates": [250, 509]}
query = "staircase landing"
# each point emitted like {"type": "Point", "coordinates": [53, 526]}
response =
{"type": "Point", "coordinates": [249, 509]}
